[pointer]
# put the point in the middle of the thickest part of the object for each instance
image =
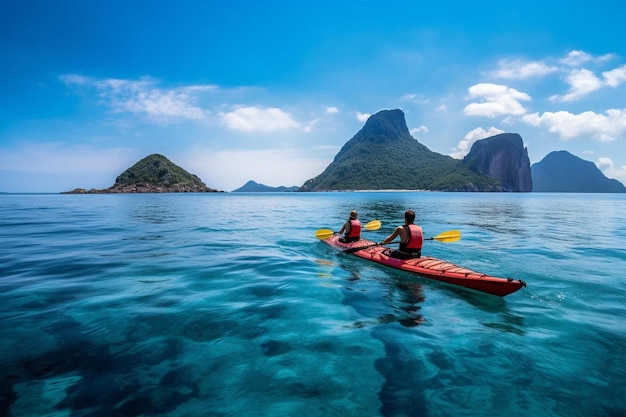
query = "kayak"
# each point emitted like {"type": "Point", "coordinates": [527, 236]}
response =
{"type": "Point", "coordinates": [429, 267]}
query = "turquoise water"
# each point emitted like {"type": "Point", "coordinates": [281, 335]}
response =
{"type": "Point", "coordinates": [227, 305]}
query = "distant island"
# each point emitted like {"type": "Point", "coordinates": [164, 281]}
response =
{"type": "Point", "coordinates": [254, 187]}
{"type": "Point", "coordinates": [153, 174]}
{"type": "Point", "coordinates": [562, 172]}
{"type": "Point", "coordinates": [384, 156]}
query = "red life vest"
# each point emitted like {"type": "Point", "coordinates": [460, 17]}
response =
{"type": "Point", "coordinates": [355, 229]}
{"type": "Point", "coordinates": [415, 239]}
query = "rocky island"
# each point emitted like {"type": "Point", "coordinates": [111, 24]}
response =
{"type": "Point", "coordinates": [562, 172]}
{"type": "Point", "coordinates": [153, 174]}
{"type": "Point", "coordinates": [384, 156]}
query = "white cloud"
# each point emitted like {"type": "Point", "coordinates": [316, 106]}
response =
{"type": "Point", "coordinates": [582, 82]}
{"type": "Point", "coordinates": [252, 118]}
{"type": "Point", "coordinates": [519, 69]}
{"type": "Point", "coordinates": [576, 58]}
{"type": "Point", "coordinates": [465, 145]}
{"type": "Point", "coordinates": [604, 163]}
{"type": "Point", "coordinates": [416, 130]}
{"type": "Point", "coordinates": [497, 100]}
{"type": "Point", "coordinates": [609, 169]}
{"type": "Point", "coordinates": [604, 127]}
{"type": "Point", "coordinates": [144, 97]}
{"type": "Point", "coordinates": [332, 110]}
{"type": "Point", "coordinates": [615, 77]}
{"type": "Point", "coordinates": [362, 117]}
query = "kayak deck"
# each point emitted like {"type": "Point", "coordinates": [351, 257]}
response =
{"type": "Point", "coordinates": [432, 268]}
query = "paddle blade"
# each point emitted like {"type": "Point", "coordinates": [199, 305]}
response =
{"type": "Point", "coordinates": [449, 236]}
{"type": "Point", "coordinates": [373, 225]}
{"type": "Point", "coordinates": [324, 234]}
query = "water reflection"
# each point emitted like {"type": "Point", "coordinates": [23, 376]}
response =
{"type": "Point", "coordinates": [394, 301]}
{"type": "Point", "coordinates": [395, 298]}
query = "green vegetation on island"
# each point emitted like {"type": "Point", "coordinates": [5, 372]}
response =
{"type": "Point", "coordinates": [384, 156]}
{"type": "Point", "coordinates": [153, 174]}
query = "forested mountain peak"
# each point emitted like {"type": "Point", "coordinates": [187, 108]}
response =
{"type": "Point", "coordinates": [384, 155]}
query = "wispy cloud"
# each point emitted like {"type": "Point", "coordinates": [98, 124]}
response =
{"type": "Point", "coordinates": [144, 97]}
{"type": "Point", "coordinates": [578, 58]}
{"type": "Point", "coordinates": [497, 100]}
{"type": "Point", "coordinates": [604, 127]}
{"type": "Point", "coordinates": [415, 98]}
{"type": "Point", "coordinates": [520, 69]}
{"type": "Point", "coordinates": [260, 119]}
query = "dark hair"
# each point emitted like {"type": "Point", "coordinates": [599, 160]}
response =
{"type": "Point", "coordinates": [409, 216]}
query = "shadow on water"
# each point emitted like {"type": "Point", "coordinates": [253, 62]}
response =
{"type": "Point", "coordinates": [391, 302]}
{"type": "Point", "coordinates": [398, 299]}
{"type": "Point", "coordinates": [83, 376]}
{"type": "Point", "coordinates": [97, 382]}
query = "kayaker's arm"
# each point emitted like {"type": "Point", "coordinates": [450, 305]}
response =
{"type": "Point", "coordinates": [344, 228]}
{"type": "Point", "coordinates": [392, 236]}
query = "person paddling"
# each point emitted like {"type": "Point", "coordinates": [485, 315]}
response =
{"type": "Point", "coordinates": [411, 238]}
{"type": "Point", "coordinates": [351, 228]}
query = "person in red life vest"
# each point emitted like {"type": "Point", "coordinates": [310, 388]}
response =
{"type": "Point", "coordinates": [411, 238]}
{"type": "Point", "coordinates": [351, 228]}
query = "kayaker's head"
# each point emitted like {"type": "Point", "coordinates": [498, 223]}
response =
{"type": "Point", "coordinates": [353, 215]}
{"type": "Point", "coordinates": [409, 216]}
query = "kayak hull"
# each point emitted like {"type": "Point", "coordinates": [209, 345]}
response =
{"type": "Point", "coordinates": [432, 268]}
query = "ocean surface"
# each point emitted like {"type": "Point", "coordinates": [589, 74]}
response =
{"type": "Point", "coordinates": [227, 305]}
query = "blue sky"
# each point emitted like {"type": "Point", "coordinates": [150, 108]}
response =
{"type": "Point", "coordinates": [270, 91]}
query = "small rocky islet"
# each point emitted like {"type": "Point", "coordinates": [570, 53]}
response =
{"type": "Point", "coordinates": [153, 174]}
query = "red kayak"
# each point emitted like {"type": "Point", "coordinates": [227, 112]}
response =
{"type": "Point", "coordinates": [430, 267]}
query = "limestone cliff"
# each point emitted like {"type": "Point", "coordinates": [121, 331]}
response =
{"type": "Point", "coordinates": [504, 158]}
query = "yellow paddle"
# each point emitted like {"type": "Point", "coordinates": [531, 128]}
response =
{"type": "Point", "coordinates": [449, 236]}
{"type": "Point", "coordinates": [326, 233]}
